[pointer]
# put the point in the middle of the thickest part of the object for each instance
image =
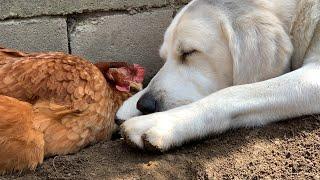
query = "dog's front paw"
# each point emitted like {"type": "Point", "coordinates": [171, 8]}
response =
{"type": "Point", "coordinates": [155, 132]}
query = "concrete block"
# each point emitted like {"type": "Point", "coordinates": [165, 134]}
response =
{"type": "Point", "coordinates": [30, 8]}
{"type": "Point", "coordinates": [132, 38]}
{"type": "Point", "coordinates": [38, 34]}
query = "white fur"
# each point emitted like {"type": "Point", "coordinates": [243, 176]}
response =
{"type": "Point", "coordinates": [239, 76]}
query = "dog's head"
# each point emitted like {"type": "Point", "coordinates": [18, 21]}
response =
{"type": "Point", "coordinates": [210, 46]}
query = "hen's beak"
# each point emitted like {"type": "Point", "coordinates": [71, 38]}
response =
{"type": "Point", "coordinates": [136, 86]}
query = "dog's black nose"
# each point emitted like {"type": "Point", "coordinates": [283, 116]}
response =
{"type": "Point", "coordinates": [147, 104]}
{"type": "Point", "coordinates": [119, 121]}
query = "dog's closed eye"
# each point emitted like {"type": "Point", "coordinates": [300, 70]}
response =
{"type": "Point", "coordinates": [186, 54]}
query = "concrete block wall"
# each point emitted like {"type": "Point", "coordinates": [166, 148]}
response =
{"type": "Point", "coordinates": [99, 30]}
{"type": "Point", "coordinates": [35, 34]}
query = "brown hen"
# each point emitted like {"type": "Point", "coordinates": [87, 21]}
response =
{"type": "Point", "coordinates": [54, 104]}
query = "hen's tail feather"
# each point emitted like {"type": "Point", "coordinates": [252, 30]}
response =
{"type": "Point", "coordinates": [5, 52]}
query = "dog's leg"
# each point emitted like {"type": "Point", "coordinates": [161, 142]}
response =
{"type": "Point", "coordinates": [130, 109]}
{"type": "Point", "coordinates": [291, 95]}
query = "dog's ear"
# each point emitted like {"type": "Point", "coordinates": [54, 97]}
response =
{"type": "Point", "coordinates": [259, 45]}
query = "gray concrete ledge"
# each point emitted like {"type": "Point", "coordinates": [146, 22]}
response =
{"type": "Point", "coordinates": [32, 8]}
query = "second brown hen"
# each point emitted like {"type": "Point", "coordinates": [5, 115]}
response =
{"type": "Point", "coordinates": [54, 103]}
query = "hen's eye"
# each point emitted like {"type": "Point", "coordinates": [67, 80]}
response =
{"type": "Point", "coordinates": [186, 54]}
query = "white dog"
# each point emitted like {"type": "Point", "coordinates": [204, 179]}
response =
{"type": "Point", "coordinates": [229, 64]}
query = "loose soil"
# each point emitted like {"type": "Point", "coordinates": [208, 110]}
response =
{"type": "Point", "coordinates": [285, 150]}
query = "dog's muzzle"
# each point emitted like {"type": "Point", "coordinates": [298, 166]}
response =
{"type": "Point", "coordinates": [147, 104]}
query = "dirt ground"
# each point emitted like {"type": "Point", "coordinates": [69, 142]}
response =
{"type": "Point", "coordinates": [285, 150]}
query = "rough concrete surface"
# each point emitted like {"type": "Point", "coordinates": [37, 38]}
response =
{"type": "Point", "coordinates": [122, 37]}
{"type": "Point", "coordinates": [30, 8]}
{"type": "Point", "coordinates": [285, 150]}
{"type": "Point", "coordinates": [37, 34]}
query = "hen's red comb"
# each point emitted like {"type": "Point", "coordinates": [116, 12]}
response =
{"type": "Point", "coordinates": [139, 73]}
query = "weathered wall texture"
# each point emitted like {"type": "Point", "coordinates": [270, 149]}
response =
{"type": "Point", "coordinates": [36, 34]}
{"type": "Point", "coordinates": [119, 30]}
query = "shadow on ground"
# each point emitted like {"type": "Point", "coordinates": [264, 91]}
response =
{"type": "Point", "coordinates": [288, 149]}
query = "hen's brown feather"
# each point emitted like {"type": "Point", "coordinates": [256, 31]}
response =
{"type": "Point", "coordinates": [71, 102]}
{"type": "Point", "coordinates": [22, 146]}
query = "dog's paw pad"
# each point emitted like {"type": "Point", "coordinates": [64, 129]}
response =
{"type": "Point", "coordinates": [128, 141]}
{"type": "Point", "coordinates": [150, 147]}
